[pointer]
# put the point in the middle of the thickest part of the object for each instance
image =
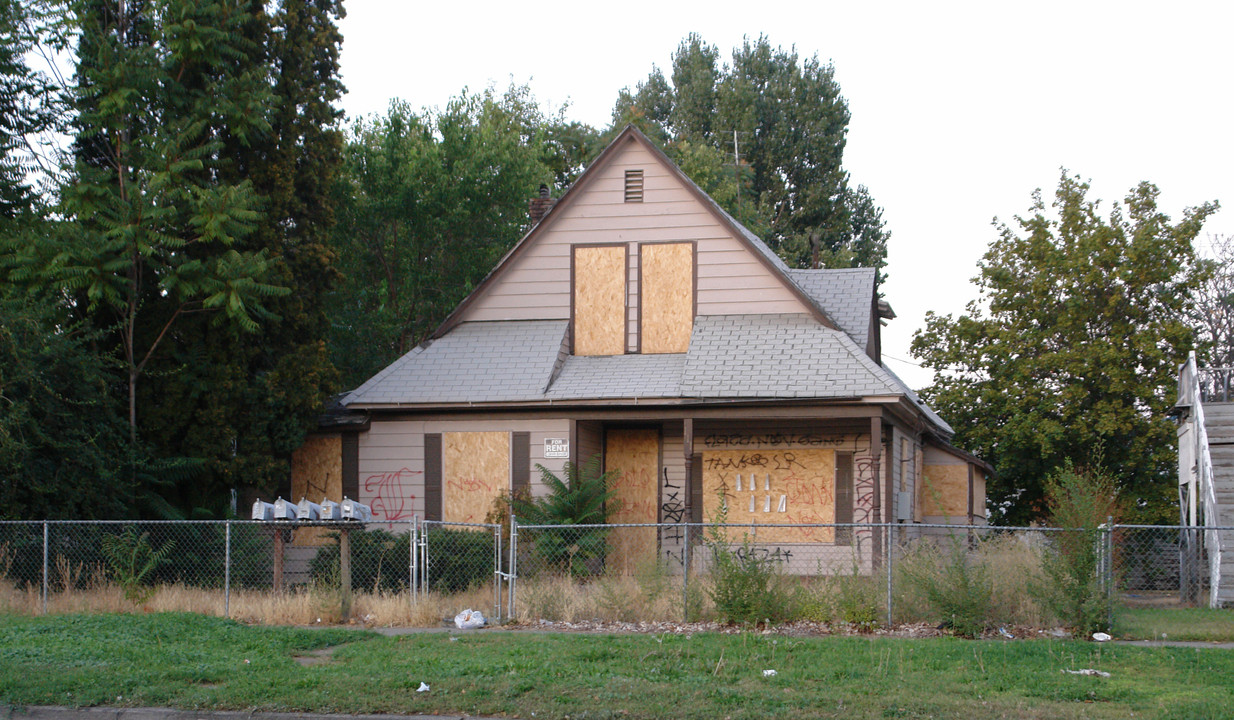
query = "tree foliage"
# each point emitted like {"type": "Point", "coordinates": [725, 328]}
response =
{"type": "Point", "coordinates": [243, 401]}
{"type": "Point", "coordinates": [428, 203]}
{"type": "Point", "coordinates": [764, 135]}
{"type": "Point", "coordinates": [1071, 348]}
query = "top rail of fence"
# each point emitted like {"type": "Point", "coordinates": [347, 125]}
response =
{"type": "Point", "coordinates": [488, 526]}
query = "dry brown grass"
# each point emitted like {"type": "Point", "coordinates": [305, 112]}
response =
{"type": "Point", "coordinates": [649, 594]}
{"type": "Point", "coordinates": [303, 605]}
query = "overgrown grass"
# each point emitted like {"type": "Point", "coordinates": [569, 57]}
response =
{"type": "Point", "coordinates": [305, 605]}
{"type": "Point", "coordinates": [193, 661]}
{"type": "Point", "coordinates": [1186, 624]}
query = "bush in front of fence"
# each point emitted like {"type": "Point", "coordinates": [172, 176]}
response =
{"type": "Point", "coordinates": [746, 587]}
{"type": "Point", "coordinates": [957, 585]}
{"type": "Point", "coordinates": [1073, 585]}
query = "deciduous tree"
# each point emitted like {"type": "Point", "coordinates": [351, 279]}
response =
{"type": "Point", "coordinates": [428, 203]}
{"type": "Point", "coordinates": [1071, 350]}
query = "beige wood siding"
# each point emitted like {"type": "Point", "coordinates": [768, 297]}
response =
{"type": "Point", "coordinates": [391, 460]}
{"type": "Point", "coordinates": [731, 279]}
{"type": "Point", "coordinates": [600, 300]}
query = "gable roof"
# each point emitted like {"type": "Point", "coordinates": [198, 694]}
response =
{"type": "Point", "coordinates": [764, 254]}
{"type": "Point", "coordinates": [819, 354]}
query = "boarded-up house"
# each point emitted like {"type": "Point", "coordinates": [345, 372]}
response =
{"type": "Point", "coordinates": [639, 322]}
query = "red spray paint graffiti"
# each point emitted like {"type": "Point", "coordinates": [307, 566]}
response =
{"type": "Point", "coordinates": [392, 498]}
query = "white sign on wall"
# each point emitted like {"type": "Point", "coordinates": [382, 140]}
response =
{"type": "Point", "coordinates": [556, 448]}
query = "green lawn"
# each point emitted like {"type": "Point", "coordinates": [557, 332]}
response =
{"type": "Point", "coordinates": [192, 661]}
{"type": "Point", "coordinates": [1201, 624]}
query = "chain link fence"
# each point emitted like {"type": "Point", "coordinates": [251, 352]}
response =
{"type": "Point", "coordinates": [424, 572]}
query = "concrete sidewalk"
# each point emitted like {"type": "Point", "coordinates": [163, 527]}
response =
{"type": "Point", "coordinates": [52, 712]}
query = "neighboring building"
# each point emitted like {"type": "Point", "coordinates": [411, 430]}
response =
{"type": "Point", "coordinates": [639, 322]}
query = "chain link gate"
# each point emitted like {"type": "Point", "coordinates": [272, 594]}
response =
{"type": "Point", "coordinates": [450, 557]}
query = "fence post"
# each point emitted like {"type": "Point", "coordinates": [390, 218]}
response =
{"type": "Point", "coordinates": [44, 567]}
{"type": "Point", "coordinates": [685, 573]}
{"type": "Point", "coordinates": [424, 559]}
{"type": "Point", "coordinates": [344, 571]}
{"type": "Point", "coordinates": [890, 554]}
{"type": "Point", "coordinates": [513, 566]}
{"type": "Point", "coordinates": [278, 560]}
{"type": "Point", "coordinates": [413, 541]}
{"type": "Point", "coordinates": [497, 572]}
{"type": "Point", "coordinates": [227, 569]}
{"type": "Point", "coordinates": [1109, 570]}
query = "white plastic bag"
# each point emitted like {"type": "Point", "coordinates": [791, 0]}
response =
{"type": "Point", "coordinates": [469, 619]}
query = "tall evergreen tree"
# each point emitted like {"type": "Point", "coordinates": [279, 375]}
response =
{"type": "Point", "coordinates": [777, 122]}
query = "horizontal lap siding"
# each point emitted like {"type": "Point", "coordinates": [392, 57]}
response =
{"type": "Point", "coordinates": [731, 280]}
{"type": "Point", "coordinates": [391, 459]}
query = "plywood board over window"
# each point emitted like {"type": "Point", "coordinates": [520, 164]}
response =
{"type": "Point", "coordinates": [946, 492]}
{"type": "Point", "coordinates": [633, 456]}
{"type": "Point", "coordinates": [772, 487]}
{"type": "Point", "coordinates": [599, 310]}
{"type": "Point", "coordinates": [475, 470]}
{"type": "Point", "coordinates": [666, 297]}
{"type": "Point", "coordinates": [317, 474]}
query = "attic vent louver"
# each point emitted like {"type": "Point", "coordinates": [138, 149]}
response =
{"type": "Point", "coordinates": [634, 185]}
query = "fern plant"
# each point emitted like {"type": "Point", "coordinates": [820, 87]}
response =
{"type": "Point", "coordinates": [131, 559]}
{"type": "Point", "coordinates": [580, 498]}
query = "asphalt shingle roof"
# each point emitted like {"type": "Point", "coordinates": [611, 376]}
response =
{"type": "Point", "coordinates": [778, 356]}
{"type": "Point", "coordinates": [619, 376]}
{"type": "Point", "coordinates": [474, 362]}
{"type": "Point", "coordinates": [846, 294]}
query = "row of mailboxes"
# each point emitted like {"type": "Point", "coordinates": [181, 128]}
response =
{"type": "Point", "coordinates": [286, 510]}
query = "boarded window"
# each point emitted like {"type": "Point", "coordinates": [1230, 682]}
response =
{"type": "Point", "coordinates": [475, 470]}
{"type": "Point", "coordinates": [666, 297]}
{"type": "Point", "coordinates": [599, 300]}
{"type": "Point", "coordinates": [772, 488]}
{"type": "Point", "coordinates": [945, 492]}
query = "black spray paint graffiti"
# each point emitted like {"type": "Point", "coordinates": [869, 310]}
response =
{"type": "Point", "coordinates": [764, 554]}
{"type": "Point", "coordinates": [865, 487]}
{"type": "Point", "coordinates": [673, 510]}
{"type": "Point", "coordinates": [770, 439]}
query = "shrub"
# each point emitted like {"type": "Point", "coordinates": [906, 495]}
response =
{"type": "Point", "coordinates": [1081, 502]}
{"type": "Point", "coordinates": [579, 499]}
{"type": "Point", "coordinates": [857, 599]}
{"type": "Point", "coordinates": [746, 587]}
{"type": "Point", "coordinates": [956, 585]}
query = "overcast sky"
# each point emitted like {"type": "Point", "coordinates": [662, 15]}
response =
{"type": "Point", "coordinates": [959, 110]}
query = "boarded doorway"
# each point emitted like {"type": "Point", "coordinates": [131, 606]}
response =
{"type": "Point", "coordinates": [634, 455]}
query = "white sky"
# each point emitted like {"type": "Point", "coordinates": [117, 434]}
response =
{"type": "Point", "coordinates": [959, 110]}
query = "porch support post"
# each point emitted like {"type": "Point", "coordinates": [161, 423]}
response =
{"type": "Point", "coordinates": [687, 444]}
{"type": "Point", "coordinates": [876, 450]}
